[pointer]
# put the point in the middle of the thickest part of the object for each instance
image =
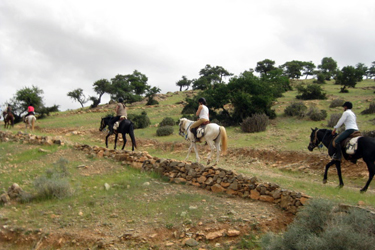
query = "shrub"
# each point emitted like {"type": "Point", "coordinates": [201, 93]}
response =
{"type": "Point", "coordinates": [164, 131]}
{"type": "Point", "coordinates": [368, 133]}
{"type": "Point", "coordinates": [333, 120]}
{"type": "Point", "coordinates": [319, 226]}
{"type": "Point", "coordinates": [152, 102]}
{"type": "Point", "coordinates": [316, 115]}
{"type": "Point", "coordinates": [370, 110]}
{"type": "Point", "coordinates": [296, 109]}
{"type": "Point", "coordinates": [320, 78]}
{"type": "Point", "coordinates": [336, 103]}
{"type": "Point", "coordinates": [311, 92]}
{"type": "Point", "coordinates": [54, 184]}
{"type": "Point", "coordinates": [167, 121]}
{"type": "Point", "coordinates": [140, 121]}
{"type": "Point", "coordinates": [255, 123]}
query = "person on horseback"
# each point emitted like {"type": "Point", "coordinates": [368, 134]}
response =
{"type": "Point", "coordinates": [8, 111]}
{"type": "Point", "coordinates": [121, 113]}
{"type": "Point", "coordinates": [30, 111]}
{"type": "Point", "coordinates": [350, 120]}
{"type": "Point", "coordinates": [203, 116]}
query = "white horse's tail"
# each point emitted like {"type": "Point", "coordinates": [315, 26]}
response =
{"type": "Point", "coordinates": [224, 139]}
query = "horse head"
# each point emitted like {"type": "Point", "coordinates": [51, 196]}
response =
{"type": "Point", "coordinates": [182, 126]}
{"type": "Point", "coordinates": [314, 141]}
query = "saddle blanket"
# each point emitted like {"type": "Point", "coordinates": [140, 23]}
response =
{"type": "Point", "coordinates": [352, 145]}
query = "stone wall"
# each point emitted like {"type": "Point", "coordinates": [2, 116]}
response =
{"type": "Point", "coordinates": [215, 179]}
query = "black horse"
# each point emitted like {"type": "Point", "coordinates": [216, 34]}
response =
{"type": "Point", "coordinates": [365, 150]}
{"type": "Point", "coordinates": [125, 127]}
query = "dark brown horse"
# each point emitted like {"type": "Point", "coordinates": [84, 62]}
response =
{"type": "Point", "coordinates": [8, 120]}
{"type": "Point", "coordinates": [366, 151]}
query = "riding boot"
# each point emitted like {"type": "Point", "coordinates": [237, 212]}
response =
{"type": "Point", "coordinates": [338, 154]}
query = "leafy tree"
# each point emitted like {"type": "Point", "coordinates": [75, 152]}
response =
{"type": "Point", "coordinates": [184, 82]}
{"type": "Point", "coordinates": [265, 66]}
{"type": "Point", "coordinates": [293, 69]}
{"type": "Point", "coordinates": [348, 78]}
{"type": "Point", "coordinates": [210, 76]}
{"type": "Point", "coordinates": [151, 92]}
{"type": "Point", "coordinates": [26, 96]}
{"type": "Point", "coordinates": [216, 99]}
{"type": "Point", "coordinates": [308, 69]}
{"type": "Point", "coordinates": [372, 70]}
{"type": "Point", "coordinates": [311, 92]}
{"type": "Point", "coordinates": [100, 87]}
{"type": "Point", "coordinates": [328, 67]}
{"type": "Point", "coordinates": [78, 96]}
{"type": "Point", "coordinates": [129, 87]}
{"type": "Point", "coordinates": [362, 70]}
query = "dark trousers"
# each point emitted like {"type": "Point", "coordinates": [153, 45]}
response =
{"type": "Point", "coordinates": [343, 136]}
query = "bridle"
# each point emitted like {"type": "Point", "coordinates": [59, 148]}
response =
{"type": "Point", "coordinates": [182, 133]}
{"type": "Point", "coordinates": [316, 141]}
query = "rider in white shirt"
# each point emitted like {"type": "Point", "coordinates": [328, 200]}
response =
{"type": "Point", "coordinates": [349, 119]}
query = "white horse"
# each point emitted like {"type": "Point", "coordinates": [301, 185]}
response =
{"type": "Point", "coordinates": [213, 133]}
{"type": "Point", "coordinates": [30, 121]}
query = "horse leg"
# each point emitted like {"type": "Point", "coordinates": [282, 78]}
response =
{"type": "Point", "coordinates": [189, 150]}
{"type": "Point", "coordinates": [211, 144]}
{"type": "Point", "coordinates": [116, 139]}
{"type": "Point", "coordinates": [196, 152]}
{"type": "Point", "coordinates": [326, 171]}
{"type": "Point", "coordinates": [338, 167]}
{"type": "Point", "coordinates": [371, 172]}
{"type": "Point", "coordinates": [124, 139]}
{"type": "Point", "coordinates": [106, 140]}
{"type": "Point", "coordinates": [218, 150]}
{"type": "Point", "coordinates": [32, 124]}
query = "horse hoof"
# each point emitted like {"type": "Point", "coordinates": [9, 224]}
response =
{"type": "Point", "coordinates": [363, 191]}
{"type": "Point", "coordinates": [325, 181]}
{"type": "Point", "coordinates": [340, 186]}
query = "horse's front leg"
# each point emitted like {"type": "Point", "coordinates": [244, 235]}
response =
{"type": "Point", "coordinates": [124, 139]}
{"type": "Point", "coordinates": [326, 171]}
{"type": "Point", "coordinates": [371, 172]}
{"type": "Point", "coordinates": [189, 150]}
{"type": "Point", "coordinates": [106, 140]}
{"type": "Point", "coordinates": [196, 152]}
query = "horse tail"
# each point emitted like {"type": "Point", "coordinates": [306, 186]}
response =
{"type": "Point", "coordinates": [224, 139]}
{"type": "Point", "coordinates": [131, 133]}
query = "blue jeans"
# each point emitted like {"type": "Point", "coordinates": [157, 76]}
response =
{"type": "Point", "coordinates": [344, 135]}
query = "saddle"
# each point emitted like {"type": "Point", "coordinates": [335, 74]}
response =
{"type": "Point", "coordinates": [117, 123]}
{"type": "Point", "coordinates": [199, 131]}
{"type": "Point", "coordinates": [350, 144]}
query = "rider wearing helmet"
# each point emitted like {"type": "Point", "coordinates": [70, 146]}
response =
{"type": "Point", "coordinates": [349, 119]}
{"type": "Point", "coordinates": [120, 113]}
{"type": "Point", "coordinates": [203, 115]}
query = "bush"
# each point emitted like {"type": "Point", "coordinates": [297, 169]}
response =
{"type": "Point", "coordinates": [316, 115]}
{"type": "Point", "coordinates": [370, 110]}
{"type": "Point", "coordinates": [336, 103]}
{"type": "Point", "coordinates": [320, 78]}
{"type": "Point", "coordinates": [333, 120]}
{"type": "Point", "coordinates": [164, 131]}
{"type": "Point", "coordinates": [167, 121]}
{"type": "Point", "coordinates": [152, 102]}
{"type": "Point", "coordinates": [311, 92]}
{"type": "Point", "coordinates": [140, 121]}
{"type": "Point", "coordinates": [368, 133]}
{"type": "Point", "coordinates": [319, 226]}
{"type": "Point", "coordinates": [255, 123]}
{"type": "Point", "coordinates": [55, 183]}
{"type": "Point", "coordinates": [296, 109]}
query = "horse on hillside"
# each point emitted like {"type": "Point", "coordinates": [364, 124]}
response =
{"type": "Point", "coordinates": [125, 127]}
{"type": "Point", "coordinates": [8, 120]}
{"type": "Point", "coordinates": [30, 121]}
{"type": "Point", "coordinates": [213, 135]}
{"type": "Point", "coordinates": [365, 150]}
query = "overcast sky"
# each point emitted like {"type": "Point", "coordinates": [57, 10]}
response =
{"type": "Point", "coordinates": [62, 45]}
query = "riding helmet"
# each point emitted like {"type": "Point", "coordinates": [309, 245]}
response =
{"type": "Point", "coordinates": [202, 100]}
{"type": "Point", "coordinates": [348, 105]}
{"type": "Point", "coordinates": [120, 99]}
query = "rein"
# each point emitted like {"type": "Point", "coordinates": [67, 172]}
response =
{"type": "Point", "coordinates": [316, 141]}
{"type": "Point", "coordinates": [186, 135]}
